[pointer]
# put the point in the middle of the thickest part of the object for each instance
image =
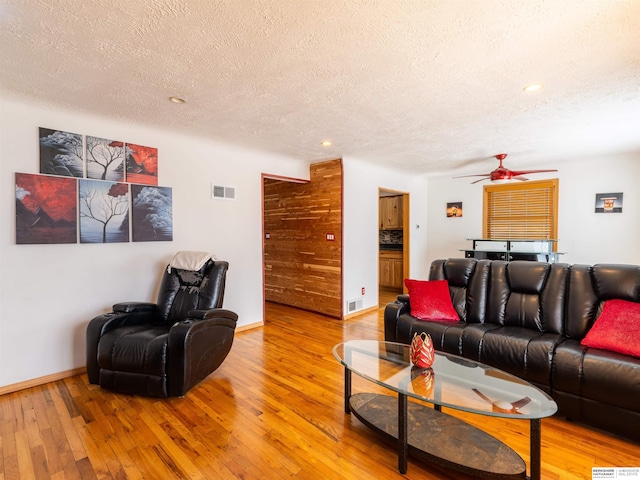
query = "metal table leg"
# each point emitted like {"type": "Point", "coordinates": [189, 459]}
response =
{"type": "Point", "coordinates": [347, 390]}
{"type": "Point", "coordinates": [535, 449]}
{"type": "Point", "coordinates": [403, 444]}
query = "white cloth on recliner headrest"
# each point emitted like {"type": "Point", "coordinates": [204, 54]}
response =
{"type": "Point", "coordinates": [186, 260]}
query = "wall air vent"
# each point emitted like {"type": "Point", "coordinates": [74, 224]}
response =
{"type": "Point", "coordinates": [220, 192]}
{"type": "Point", "coordinates": [354, 305]}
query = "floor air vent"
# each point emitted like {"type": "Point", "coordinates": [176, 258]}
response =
{"type": "Point", "coordinates": [354, 305]}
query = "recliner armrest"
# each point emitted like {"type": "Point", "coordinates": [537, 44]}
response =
{"type": "Point", "coordinates": [211, 313]}
{"type": "Point", "coordinates": [197, 346]}
{"type": "Point", "coordinates": [127, 307]}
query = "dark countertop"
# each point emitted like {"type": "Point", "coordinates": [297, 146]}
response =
{"type": "Point", "coordinates": [391, 246]}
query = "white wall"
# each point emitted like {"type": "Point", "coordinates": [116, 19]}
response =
{"type": "Point", "coordinates": [586, 237]}
{"type": "Point", "coordinates": [48, 293]}
{"type": "Point", "coordinates": [361, 229]}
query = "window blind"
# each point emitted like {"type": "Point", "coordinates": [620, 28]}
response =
{"type": "Point", "coordinates": [527, 210]}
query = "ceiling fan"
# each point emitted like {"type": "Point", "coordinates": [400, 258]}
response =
{"type": "Point", "coordinates": [502, 174]}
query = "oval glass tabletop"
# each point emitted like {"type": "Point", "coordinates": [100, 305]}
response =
{"type": "Point", "coordinates": [452, 381]}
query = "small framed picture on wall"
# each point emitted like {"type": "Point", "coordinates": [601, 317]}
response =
{"type": "Point", "coordinates": [609, 202]}
{"type": "Point", "coordinates": [454, 209]}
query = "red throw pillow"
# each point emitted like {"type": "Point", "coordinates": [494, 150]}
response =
{"type": "Point", "coordinates": [431, 300]}
{"type": "Point", "coordinates": [616, 329]}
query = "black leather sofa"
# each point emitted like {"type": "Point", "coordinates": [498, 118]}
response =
{"type": "Point", "coordinates": [528, 318]}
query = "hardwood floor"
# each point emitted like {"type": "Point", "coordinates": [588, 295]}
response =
{"type": "Point", "coordinates": [273, 410]}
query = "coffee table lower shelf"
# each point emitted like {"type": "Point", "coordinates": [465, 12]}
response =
{"type": "Point", "coordinates": [440, 438]}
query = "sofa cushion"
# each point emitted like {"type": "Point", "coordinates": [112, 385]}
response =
{"type": "Point", "coordinates": [582, 302]}
{"type": "Point", "coordinates": [598, 387]}
{"type": "Point", "coordinates": [431, 300]}
{"type": "Point", "coordinates": [617, 328]}
{"type": "Point", "coordinates": [527, 294]}
{"type": "Point", "coordinates": [468, 283]}
{"type": "Point", "coordinates": [471, 339]}
{"type": "Point", "coordinates": [521, 351]}
{"type": "Point", "coordinates": [610, 378]}
{"type": "Point", "coordinates": [617, 281]}
{"type": "Point", "coordinates": [437, 330]}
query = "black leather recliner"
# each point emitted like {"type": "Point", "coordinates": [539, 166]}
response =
{"type": "Point", "coordinates": [163, 349]}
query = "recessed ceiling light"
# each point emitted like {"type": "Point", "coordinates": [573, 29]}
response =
{"type": "Point", "coordinates": [325, 143]}
{"type": "Point", "coordinates": [533, 87]}
{"type": "Point", "coordinates": [177, 100]}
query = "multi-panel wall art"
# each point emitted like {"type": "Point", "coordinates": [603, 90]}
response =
{"type": "Point", "coordinates": [96, 189]}
{"type": "Point", "coordinates": [142, 164]}
{"type": "Point", "coordinates": [61, 153]}
{"type": "Point", "coordinates": [104, 211]}
{"type": "Point", "coordinates": [46, 209]}
{"type": "Point", "coordinates": [105, 159]}
{"type": "Point", "coordinates": [152, 216]}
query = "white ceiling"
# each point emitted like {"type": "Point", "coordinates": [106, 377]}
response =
{"type": "Point", "coordinates": [428, 85]}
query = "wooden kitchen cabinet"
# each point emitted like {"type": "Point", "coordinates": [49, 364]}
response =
{"type": "Point", "coordinates": [391, 213]}
{"type": "Point", "coordinates": [391, 274]}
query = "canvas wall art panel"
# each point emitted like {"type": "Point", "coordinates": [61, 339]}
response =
{"type": "Point", "coordinates": [151, 213]}
{"type": "Point", "coordinates": [61, 153]}
{"type": "Point", "coordinates": [46, 209]}
{"type": "Point", "coordinates": [454, 209]}
{"type": "Point", "coordinates": [104, 211]}
{"type": "Point", "coordinates": [142, 164]}
{"type": "Point", "coordinates": [105, 159]}
{"type": "Point", "coordinates": [609, 202]}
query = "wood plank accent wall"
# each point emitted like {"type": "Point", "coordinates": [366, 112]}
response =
{"type": "Point", "coordinates": [302, 268]}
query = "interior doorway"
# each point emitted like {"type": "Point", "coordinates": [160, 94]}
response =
{"type": "Point", "coordinates": [302, 240]}
{"type": "Point", "coordinates": [393, 240]}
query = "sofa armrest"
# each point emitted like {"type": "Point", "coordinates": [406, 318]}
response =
{"type": "Point", "coordinates": [391, 314]}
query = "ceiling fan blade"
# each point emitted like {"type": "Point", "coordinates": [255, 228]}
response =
{"type": "Point", "coordinates": [483, 396]}
{"type": "Point", "coordinates": [481, 180]}
{"type": "Point", "coordinates": [520, 177]}
{"type": "Point", "coordinates": [524, 172]}
{"type": "Point", "coordinates": [478, 175]}
{"type": "Point", "coordinates": [473, 161]}
{"type": "Point", "coordinates": [520, 403]}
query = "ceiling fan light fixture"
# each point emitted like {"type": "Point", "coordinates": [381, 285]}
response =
{"type": "Point", "coordinates": [532, 87]}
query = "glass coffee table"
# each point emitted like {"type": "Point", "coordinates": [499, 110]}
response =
{"type": "Point", "coordinates": [452, 382]}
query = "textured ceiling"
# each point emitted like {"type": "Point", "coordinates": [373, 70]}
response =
{"type": "Point", "coordinates": [429, 85]}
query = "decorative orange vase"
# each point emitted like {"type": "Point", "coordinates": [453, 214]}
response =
{"type": "Point", "coordinates": [421, 351]}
